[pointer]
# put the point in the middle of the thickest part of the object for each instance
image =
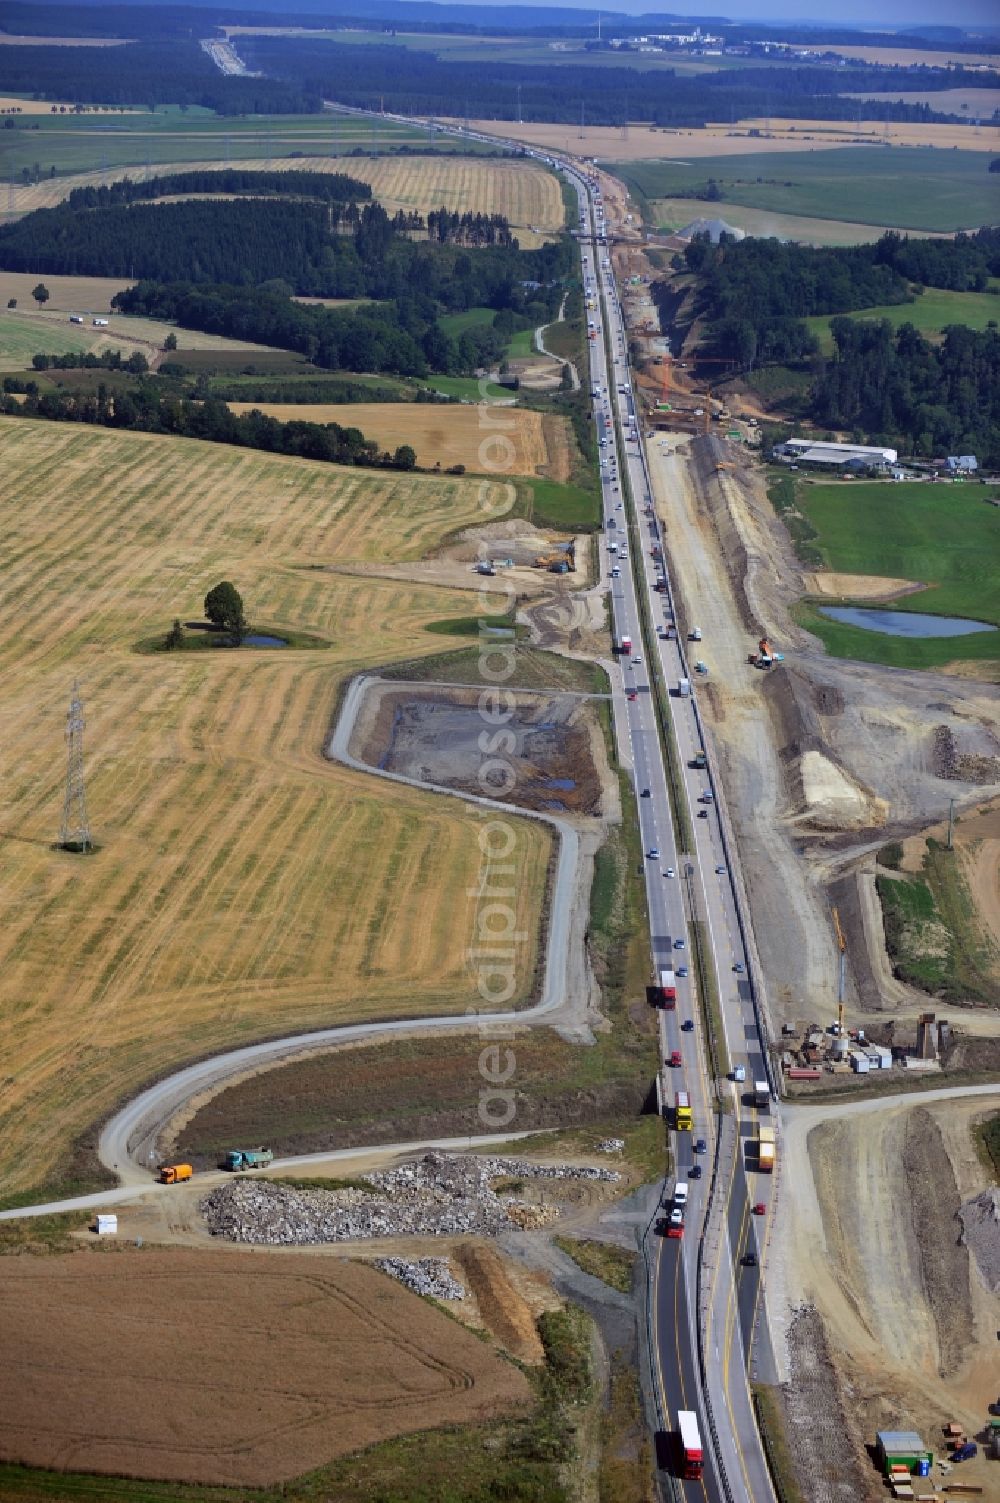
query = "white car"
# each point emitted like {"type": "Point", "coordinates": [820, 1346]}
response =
{"type": "Point", "coordinates": [669, 872]}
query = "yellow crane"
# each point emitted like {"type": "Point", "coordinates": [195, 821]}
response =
{"type": "Point", "coordinates": [842, 946]}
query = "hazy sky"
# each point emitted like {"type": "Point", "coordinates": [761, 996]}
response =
{"type": "Point", "coordinates": [871, 14]}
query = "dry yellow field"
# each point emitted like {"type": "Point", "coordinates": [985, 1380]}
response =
{"type": "Point", "coordinates": [527, 194]}
{"type": "Point", "coordinates": [902, 57]}
{"type": "Point", "coordinates": [444, 433]}
{"type": "Point", "coordinates": [649, 143]}
{"type": "Point", "coordinates": [244, 886]}
{"type": "Point", "coordinates": [66, 294]}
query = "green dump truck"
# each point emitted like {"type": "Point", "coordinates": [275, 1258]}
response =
{"type": "Point", "coordinates": [248, 1158]}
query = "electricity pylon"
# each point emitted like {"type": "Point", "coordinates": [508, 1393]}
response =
{"type": "Point", "coordinates": [74, 834]}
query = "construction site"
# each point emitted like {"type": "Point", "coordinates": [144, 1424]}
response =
{"type": "Point", "coordinates": [884, 1256]}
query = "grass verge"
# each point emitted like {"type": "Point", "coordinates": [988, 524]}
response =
{"type": "Point", "coordinates": [42, 1235]}
{"type": "Point", "coordinates": [708, 991]}
{"type": "Point", "coordinates": [604, 1261]}
{"type": "Point", "coordinates": [533, 669]}
{"type": "Point", "coordinates": [771, 1423]}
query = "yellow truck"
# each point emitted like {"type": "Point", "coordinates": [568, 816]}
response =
{"type": "Point", "coordinates": [172, 1174]}
{"type": "Point", "coordinates": [765, 1149]}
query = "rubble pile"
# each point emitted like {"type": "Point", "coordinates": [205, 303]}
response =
{"type": "Point", "coordinates": [439, 1195]}
{"type": "Point", "coordinates": [431, 1276]}
{"type": "Point", "coordinates": [980, 1219]}
{"type": "Point", "coordinates": [611, 1145]}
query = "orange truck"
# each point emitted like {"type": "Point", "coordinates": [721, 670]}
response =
{"type": "Point", "coordinates": [172, 1174]}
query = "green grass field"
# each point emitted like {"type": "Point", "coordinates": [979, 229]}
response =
{"type": "Point", "coordinates": [947, 536]}
{"type": "Point", "coordinates": [909, 187]}
{"type": "Point", "coordinates": [931, 313]}
{"type": "Point", "coordinates": [520, 345]}
{"type": "Point", "coordinates": [87, 143]}
{"type": "Point", "coordinates": [22, 336]}
{"type": "Point", "coordinates": [468, 388]}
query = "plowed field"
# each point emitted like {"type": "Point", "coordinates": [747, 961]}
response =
{"type": "Point", "coordinates": [482, 440]}
{"type": "Point", "coordinates": [243, 1369]}
{"type": "Point", "coordinates": [526, 194]}
{"type": "Point", "coordinates": [244, 886]}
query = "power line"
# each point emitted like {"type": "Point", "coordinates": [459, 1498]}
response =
{"type": "Point", "coordinates": [74, 833]}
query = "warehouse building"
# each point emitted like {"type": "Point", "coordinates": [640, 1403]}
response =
{"type": "Point", "coordinates": [845, 457]}
{"type": "Point", "coordinates": [899, 1448]}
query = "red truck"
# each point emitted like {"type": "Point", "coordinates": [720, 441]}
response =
{"type": "Point", "coordinates": [668, 990]}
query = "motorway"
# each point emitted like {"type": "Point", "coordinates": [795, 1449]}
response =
{"type": "Point", "coordinates": [682, 886]}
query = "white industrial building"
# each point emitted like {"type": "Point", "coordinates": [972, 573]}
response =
{"type": "Point", "coordinates": [836, 456]}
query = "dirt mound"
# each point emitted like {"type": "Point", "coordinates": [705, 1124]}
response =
{"type": "Point", "coordinates": [981, 1234]}
{"type": "Point", "coordinates": [858, 586]}
{"type": "Point", "coordinates": [501, 1307]}
{"type": "Point", "coordinates": [944, 1264]}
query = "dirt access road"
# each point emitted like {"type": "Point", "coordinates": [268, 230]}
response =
{"type": "Point", "coordinates": [793, 931]}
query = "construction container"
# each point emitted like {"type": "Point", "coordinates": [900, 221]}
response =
{"type": "Point", "coordinates": [106, 1226]}
{"type": "Point", "coordinates": [859, 1063]}
{"type": "Point", "coordinates": [903, 1448]}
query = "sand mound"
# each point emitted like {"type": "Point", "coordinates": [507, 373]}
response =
{"type": "Point", "coordinates": [859, 586]}
{"type": "Point", "coordinates": [835, 800]}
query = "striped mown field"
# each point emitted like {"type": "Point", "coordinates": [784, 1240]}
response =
{"type": "Point", "coordinates": [243, 885]}
{"type": "Point", "coordinates": [527, 194]}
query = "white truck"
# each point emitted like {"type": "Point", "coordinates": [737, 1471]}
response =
{"type": "Point", "coordinates": [684, 687]}
{"type": "Point", "coordinates": [761, 1095]}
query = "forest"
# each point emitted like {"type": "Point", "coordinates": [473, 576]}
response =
{"type": "Point", "coordinates": [419, 83]}
{"type": "Point", "coordinates": [145, 74]}
{"type": "Point", "coordinates": [894, 387]}
{"type": "Point", "coordinates": [329, 249]}
{"type": "Point", "coordinates": [754, 293]}
{"type": "Point", "coordinates": [898, 388]}
{"type": "Point", "coordinates": [324, 187]}
{"type": "Point", "coordinates": [147, 410]}
{"type": "Point", "coordinates": [402, 336]}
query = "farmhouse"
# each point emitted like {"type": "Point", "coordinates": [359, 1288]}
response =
{"type": "Point", "coordinates": [835, 456]}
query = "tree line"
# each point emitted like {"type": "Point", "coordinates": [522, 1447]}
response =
{"type": "Point", "coordinates": [335, 248]}
{"type": "Point", "coordinates": [147, 410]}
{"type": "Point", "coordinates": [324, 187]}
{"type": "Point", "coordinates": [414, 82]}
{"type": "Point", "coordinates": [145, 74]}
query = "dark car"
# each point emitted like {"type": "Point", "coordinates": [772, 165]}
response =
{"type": "Point", "coordinates": [694, 1172]}
{"type": "Point", "coordinates": [749, 1260]}
{"type": "Point", "coordinates": [688, 1025]}
{"type": "Point", "coordinates": [645, 793]}
{"type": "Point", "coordinates": [700, 1145]}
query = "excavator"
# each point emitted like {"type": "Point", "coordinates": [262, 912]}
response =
{"type": "Point", "coordinates": [765, 655]}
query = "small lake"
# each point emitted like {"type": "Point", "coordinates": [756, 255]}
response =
{"type": "Point", "coordinates": [904, 623]}
{"type": "Point", "coordinates": [261, 639]}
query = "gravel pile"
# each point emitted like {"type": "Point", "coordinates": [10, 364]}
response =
{"type": "Point", "coordinates": [611, 1145]}
{"type": "Point", "coordinates": [981, 1234]}
{"type": "Point", "coordinates": [424, 1276]}
{"type": "Point", "coordinates": [440, 1195]}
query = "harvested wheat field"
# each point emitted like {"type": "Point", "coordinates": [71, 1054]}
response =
{"type": "Point", "coordinates": [66, 294]}
{"type": "Point", "coordinates": [651, 143]}
{"type": "Point", "coordinates": [525, 192]}
{"type": "Point", "coordinates": [244, 886]}
{"type": "Point", "coordinates": [493, 440]}
{"type": "Point", "coordinates": [238, 1369]}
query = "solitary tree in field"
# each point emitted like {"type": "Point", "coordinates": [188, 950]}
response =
{"type": "Point", "coordinates": [170, 343]}
{"type": "Point", "coordinates": [40, 294]}
{"type": "Point", "coordinates": [404, 458]}
{"type": "Point", "coordinates": [224, 608]}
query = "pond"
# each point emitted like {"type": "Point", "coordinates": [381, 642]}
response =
{"type": "Point", "coordinates": [261, 639]}
{"type": "Point", "coordinates": [904, 623]}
